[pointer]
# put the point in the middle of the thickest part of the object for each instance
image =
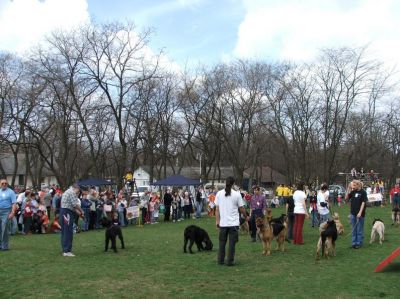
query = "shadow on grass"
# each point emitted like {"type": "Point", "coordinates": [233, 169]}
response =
{"type": "Point", "coordinates": [393, 267]}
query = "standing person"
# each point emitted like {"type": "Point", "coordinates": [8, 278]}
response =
{"type": "Point", "coordinates": [323, 203]}
{"type": "Point", "coordinates": [199, 202]}
{"type": "Point", "coordinates": [300, 212]}
{"type": "Point", "coordinates": [174, 205]}
{"type": "Point", "coordinates": [8, 206]}
{"type": "Point", "coordinates": [290, 215]}
{"type": "Point", "coordinates": [358, 203]}
{"type": "Point", "coordinates": [144, 202]}
{"type": "Point", "coordinates": [121, 207]}
{"type": "Point", "coordinates": [85, 205]}
{"type": "Point", "coordinates": [48, 197]}
{"type": "Point", "coordinates": [279, 192]}
{"type": "Point", "coordinates": [228, 203]}
{"type": "Point", "coordinates": [314, 209]}
{"type": "Point", "coordinates": [70, 205]}
{"type": "Point", "coordinates": [187, 205]}
{"type": "Point", "coordinates": [394, 196]}
{"type": "Point", "coordinates": [257, 209]}
{"type": "Point", "coordinates": [167, 204]}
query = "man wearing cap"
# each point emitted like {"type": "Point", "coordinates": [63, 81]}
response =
{"type": "Point", "coordinates": [8, 206]}
{"type": "Point", "coordinates": [70, 205]}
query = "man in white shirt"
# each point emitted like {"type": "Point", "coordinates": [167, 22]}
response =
{"type": "Point", "coordinates": [228, 203]}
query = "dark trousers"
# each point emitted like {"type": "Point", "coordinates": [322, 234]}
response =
{"type": "Point", "coordinates": [253, 227]}
{"type": "Point", "coordinates": [67, 218]}
{"type": "Point", "coordinates": [167, 213]}
{"type": "Point", "coordinates": [48, 211]}
{"type": "Point", "coordinates": [186, 212]}
{"type": "Point", "coordinates": [27, 224]}
{"type": "Point", "coordinates": [289, 234]}
{"type": "Point", "coordinates": [224, 232]}
{"type": "Point", "coordinates": [144, 211]}
{"type": "Point", "coordinates": [298, 228]}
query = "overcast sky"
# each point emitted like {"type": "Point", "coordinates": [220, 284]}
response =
{"type": "Point", "coordinates": [210, 31]}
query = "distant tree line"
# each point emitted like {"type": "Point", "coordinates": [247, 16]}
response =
{"type": "Point", "coordinates": [95, 101]}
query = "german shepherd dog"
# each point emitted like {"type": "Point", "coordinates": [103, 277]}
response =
{"type": "Point", "coordinates": [196, 235]}
{"type": "Point", "coordinates": [112, 231]}
{"type": "Point", "coordinates": [327, 239]}
{"type": "Point", "coordinates": [268, 229]}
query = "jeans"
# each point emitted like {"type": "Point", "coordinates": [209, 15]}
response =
{"type": "Point", "coordinates": [224, 232]}
{"type": "Point", "coordinates": [314, 218]}
{"type": "Point", "coordinates": [99, 216]}
{"type": "Point", "coordinates": [324, 218]}
{"type": "Point", "coordinates": [13, 226]}
{"type": "Point", "coordinates": [179, 212]}
{"type": "Point", "coordinates": [66, 220]}
{"type": "Point", "coordinates": [357, 235]}
{"type": "Point", "coordinates": [253, 227]}
{"type": "Point", "coordinates": [27, 224]}
{"type": "Point", "coordinates": [175, 214]}
{"type": "Point", "coordinates": [186, 212]}
{"type": "Point", "coordinates": [199, 208]}
{"type": "Point", "coordinates": [4, 235]}
{"type": "Point", "coordinates": [121, 218]}
{"type": "Point", "coordinates": [86, 220]}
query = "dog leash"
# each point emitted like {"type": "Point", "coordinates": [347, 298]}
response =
{"type": "Point", "coordinates": [353, 228]}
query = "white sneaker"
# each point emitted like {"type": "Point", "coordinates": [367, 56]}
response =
{"type": "Point", "coordinates": [68, 254]}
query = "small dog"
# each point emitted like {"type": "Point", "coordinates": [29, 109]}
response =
{"type": "Point", "coordinates": [112, 231]}
{"type": "Point", "coordinates": [327, 239]}
{"type": "Point", "coordinates": [269, 229]}
{"type": "Point", "coordinates": [196, 235]}
{"type": "Point", "coordinates": [396, 216]}
{"type": "Point", "coordinates": [378, 228]}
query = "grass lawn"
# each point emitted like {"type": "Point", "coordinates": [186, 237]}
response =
{"type": "Point", "coordinates": [153, 266]}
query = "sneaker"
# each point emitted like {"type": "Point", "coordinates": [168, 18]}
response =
{"type": "Point", "coordinates": [68, 254]}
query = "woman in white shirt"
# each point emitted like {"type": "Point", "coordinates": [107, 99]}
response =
{"type": "Point", "coordinates": [300, 212]}
{"type": "Point", "coordinates": [322, 203]}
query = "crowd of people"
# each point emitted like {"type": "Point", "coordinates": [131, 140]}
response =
{"type": "Point", "coordinates": [50, 210]}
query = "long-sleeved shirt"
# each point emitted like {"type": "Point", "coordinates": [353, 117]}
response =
{"type": "Point", "coordinates": [257, 202]}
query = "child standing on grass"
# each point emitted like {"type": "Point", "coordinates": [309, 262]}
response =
{"type": "Point", "coordinates": [28, 214]}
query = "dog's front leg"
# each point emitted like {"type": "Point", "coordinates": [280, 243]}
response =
{"type": "Point", "coordinates": [121, 238]}
{"type": "Point", "coordinates": [107, 240]}
{"type": "Point", "coordinates": [114, 244]}
{"type": "Point", "coordinates": [190, 245]}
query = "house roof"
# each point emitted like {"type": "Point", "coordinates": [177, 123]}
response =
{"type": "Point", "coordinates": [8, 163]}
{"type": "Point", "coordinates": [266, 175]}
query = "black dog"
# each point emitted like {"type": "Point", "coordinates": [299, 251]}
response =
{"type": "Point", "coordinates": [112, 231]}
{"type": "Point", "coordinates": [329, 233]}
{"type": "Point", "coordinates": [198, 235]}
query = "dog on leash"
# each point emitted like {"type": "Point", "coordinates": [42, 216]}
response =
{"type": "Point", "coordinates": [197, 235]}
{"type": "Point", "coordinates": [112, 232]}
{"type": "Point", "coordinates": [339, 225]}
{"type": "Point", "coordinates": [378, 228]}
{"type": "Point", "coordinates": [268, 229]}
{"type": "Point", "coordinates": [327, 239]}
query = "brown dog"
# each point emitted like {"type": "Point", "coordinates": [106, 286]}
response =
{"type": "Point", "coordinates": [327, 239]}
{"type": "Point", "coordinates": [339, 225]}
{"type": "Point", "coordinates": [268, 231]}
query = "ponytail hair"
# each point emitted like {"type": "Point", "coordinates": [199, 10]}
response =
{"type": "Point", "coordinates": [229, 183]}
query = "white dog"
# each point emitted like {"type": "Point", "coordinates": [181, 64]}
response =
{"type": "Point", "coordinates": [378, 228]}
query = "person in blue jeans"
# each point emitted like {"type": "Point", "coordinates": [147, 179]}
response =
{"type": "Point", "coordinates": [8, 206]}
{"type": "Point", "coordinates": [85, 205]}
{"type": "Point", "coordinates": [358, 201]}
{"type": "Point", "coordinates": [70, 205]}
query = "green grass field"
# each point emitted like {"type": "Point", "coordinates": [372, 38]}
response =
{"type": "Point", "coordinates": [153, 266]}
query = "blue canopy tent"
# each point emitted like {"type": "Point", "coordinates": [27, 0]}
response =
{"type": "Point", "coordinates": [94, 182]}
{"type": "Point", "coordinates": [177, 180]}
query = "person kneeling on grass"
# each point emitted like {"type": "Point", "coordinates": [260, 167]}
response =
{"type": "Point", "coordinates": [55, 225]}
